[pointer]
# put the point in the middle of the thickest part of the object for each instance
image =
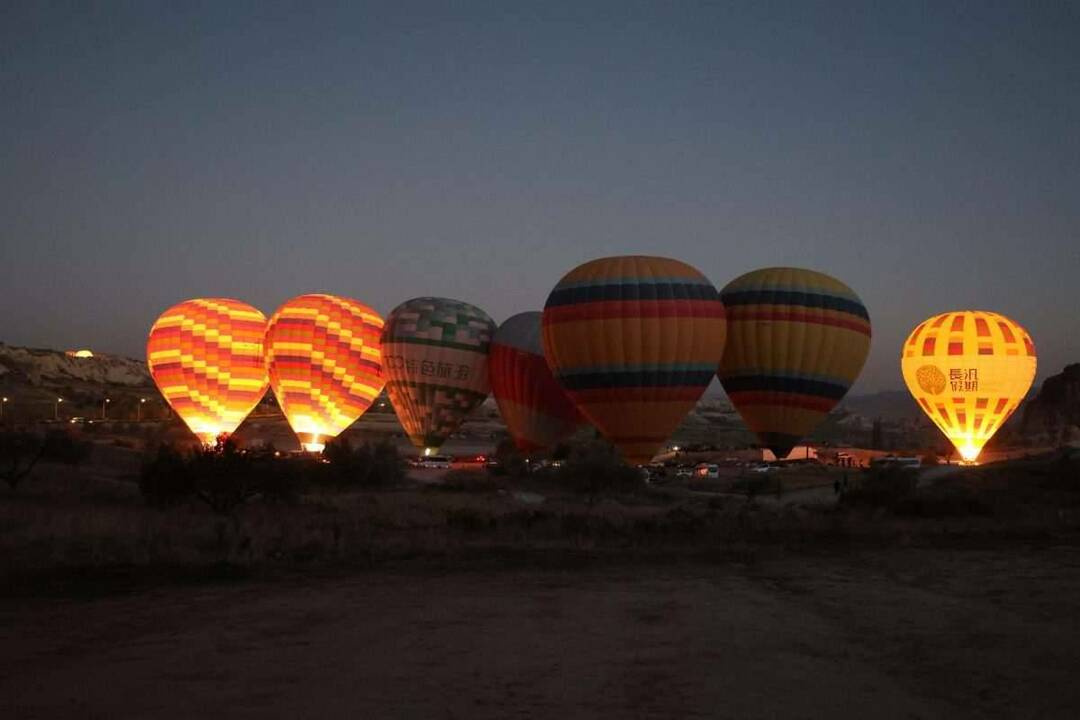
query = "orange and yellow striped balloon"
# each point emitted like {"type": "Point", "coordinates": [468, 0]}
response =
{"type": "Point", "coordinates": [324, 357]}
{"type": "Point", "coordinates": [206, 357]}
{"type": "Point", "coordinates": [969, 370]}
{"type": "Point", "coordinates": [797, 340]}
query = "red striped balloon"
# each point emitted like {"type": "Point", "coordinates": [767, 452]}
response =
{"type": "Point", "coordinates": [537, 411]}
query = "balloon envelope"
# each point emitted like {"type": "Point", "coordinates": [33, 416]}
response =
{"type": "Point", "coordinates": [968, 370]}
{"type": "Point", "coordinates": [206, 357]}
{"type": "Point", "coordinates": [436, 358]}
{"type": "Point", "coordinates": [324, 358]}
{"type": "Point", "coordinates": [635, 341]}
{"type": "Point", "coordinates": [797, 340]}
{"type": "Point", "coordinates": [537, 411]}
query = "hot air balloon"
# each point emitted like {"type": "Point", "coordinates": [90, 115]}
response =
{"type": "Point", "coordinates": [797, 340]}
{"type": "Point", "coordinates": [324, 358]}
{"type": "Point", "coordinates": [436, 354]}
{"type": "Point", "coordinates": [537, 411]}
{"type": "Point", "coordinates": [968, 370]}
{"type": "Point", "coordinates": [635, 341]}
{"type": "Point", "coordinates": [206, 357]}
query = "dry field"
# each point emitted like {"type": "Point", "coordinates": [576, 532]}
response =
{"type": "Point", "coordinates": [891, 634]}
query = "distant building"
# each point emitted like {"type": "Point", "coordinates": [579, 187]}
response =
{"type": "Point", "coordinates": [799, 452]}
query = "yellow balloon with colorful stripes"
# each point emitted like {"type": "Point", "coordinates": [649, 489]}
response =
{"type": "Point", "coordinates": [324, 357]}
{"type": "Point", "coordinates": [206, 357]}
{"type": "Point", "coordinates": [634, 341]}
{"type": "Point", "coordinates": [969, 370]}
{"type": "Point", "coordinates": [797, 340]}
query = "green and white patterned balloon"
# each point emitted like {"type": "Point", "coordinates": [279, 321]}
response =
{"type": "Point", "coordinates": [435, 354]}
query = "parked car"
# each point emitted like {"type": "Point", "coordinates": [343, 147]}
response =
{"type": "Point", "coordinates": [440, 462]}
{"type": "Point", "coordinates": [706, 471]}
{"type": "Point", "coordinates": [684, 471]}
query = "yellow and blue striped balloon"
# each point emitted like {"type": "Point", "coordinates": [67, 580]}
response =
{"type": "Point", "coordinates": [635, 341]}
{"type": "Point", "coordinates": [797, 340]}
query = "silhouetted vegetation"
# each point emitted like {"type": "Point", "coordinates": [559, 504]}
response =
{"type": "Point", "coordinates": [595, 468]}
{"type": "Point", "coordinates": [510, 460]}
{"type": "Point", "coordinates": [20, 452]}
{"type": "Point", "coordinates": [227, 476]}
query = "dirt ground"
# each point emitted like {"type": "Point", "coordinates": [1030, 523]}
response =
{"type": "Point", "coordinates": [902, 634]}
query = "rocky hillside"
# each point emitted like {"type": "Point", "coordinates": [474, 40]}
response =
{"type": "Point", "coordinates": [51, 368]}
{"type": "Point", "coordinates": [1054, 413]}
{"type": "Point", "coordinates": [32, 379]}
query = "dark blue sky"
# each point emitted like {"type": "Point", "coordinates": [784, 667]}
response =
{"type": "Point", "coordinates": [926, 154]}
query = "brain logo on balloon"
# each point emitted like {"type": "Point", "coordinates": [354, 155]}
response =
{"type": "Point", "coordinates": [931, 379]}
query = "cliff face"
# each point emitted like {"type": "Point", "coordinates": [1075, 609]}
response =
{"type": "Point", "coordinates": [1054, 413]}
{"type": "Point", "coordinates": [53, 368]}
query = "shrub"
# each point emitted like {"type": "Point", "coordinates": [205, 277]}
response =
{"type": "Point", "coordinates": [596, 468]}
{"type": "Point", "coordinates": [166, 479]}
{"type": "Point", "coordinates": [19, 452]}
{"type": "Point", "coordinates": [468, 481]}
{"type": "Point", "coordinates": [883, 487]}
{"type": "Point", "coordinates": [61, 446]}
{"type": "Point", "coordinates": [369, 465]}
{"type": "Point", "coordinates": [227, 476]}
{"type": "Point", "coordinates": [511, 461]}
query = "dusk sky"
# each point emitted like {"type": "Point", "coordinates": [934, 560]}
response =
{"type": "Point", "coordinates": [926, 154]}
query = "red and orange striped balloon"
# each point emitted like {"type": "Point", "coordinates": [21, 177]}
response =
{"type": "Point", "coordinates": [324, 358]}
{"type": "Point", "coordinates": [537, 411]}
{"type": "Point", "coordinates": [206, 357]}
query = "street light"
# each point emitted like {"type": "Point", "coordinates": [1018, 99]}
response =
{"type": "Point", "coordinates": [104, 403]}
{"type": "Point", "coordinates": [2, 404]}
{"type": "Point", "coordinates": [56, 408]}
{"type": "Point", "coordinates": [141, 401]}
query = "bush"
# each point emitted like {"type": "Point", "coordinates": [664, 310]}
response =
{"type": "Point", "coordinates": [596, 468]}
{"type": "Point", "coordinates": [19, 452]}
{"type": "Point", "coordinates": [468, 481]}
{"type": "Point", "coordinates": [223, 477]}
{"type": "Point", "coordinates": [949, 500]}
{"type": "Point", "coordinates": [61, 446]}
{"type": "Point", "coordinates": [166, 479]}
{"type": "Point", "coordinates": [511, 461]}
{"type": "Point", "coordinates": [226, 476]}
{"type": "Point", "coordinates": [883, 487]}
{"type": "Point", "coordinates": [369, 465]}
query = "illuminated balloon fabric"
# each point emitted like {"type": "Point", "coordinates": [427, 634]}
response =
{"type": "Point", "coordinates": [797, 340]}
{"type": "Point", "coordinates": [635, 342]}
{"type": "Point", "coordinates": [537, 411]}
{"type": "Point", "coordinates": [436, 357]}
{"type": "Point", "coordinates": [968, 370]}
{"type": "Point", "coordinates": [206, 357]}
{"type": "Point", "coordinates": [324, 358]}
